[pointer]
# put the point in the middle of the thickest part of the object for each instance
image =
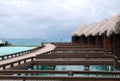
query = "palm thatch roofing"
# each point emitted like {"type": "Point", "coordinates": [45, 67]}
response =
{"type": "Point", "coordinates": [105, 26]}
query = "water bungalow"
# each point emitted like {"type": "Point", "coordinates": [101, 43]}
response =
{"type": "Point", "coordinates": [97, 44]}
{"type": "Point", "coordinates": [105, 33]}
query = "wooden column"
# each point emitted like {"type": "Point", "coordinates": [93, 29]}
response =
{"type": "Point", "coordinates": [81, 38]}
{"type": "Point", "coordinates": [88, 41]}
{"type": "Point", "coordinates": [107, 43]}
{"type": "Point", "coordinates": [86, 67]}
{"type": "Point", "coordinates": [96, 41]}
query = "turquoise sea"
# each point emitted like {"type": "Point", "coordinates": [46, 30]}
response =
{"type": "Point", "coordinates": [24, 44]}
{"type": "Point", "coordinates": [36, 41]}
{"type": "Point", "coordinates": [12, 49]}
{"type": "Point", "coordinates": [25, 41]}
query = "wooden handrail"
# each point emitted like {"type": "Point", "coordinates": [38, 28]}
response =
{"type": "Point", "coordinates": [18, 61]}
{"type": "Point", "coordinates": [46, 53]}
{"type": "Point", "coordinates": [75, 56]}
{"type": "Point", "coordinates": [80, 49]}
{"type": "Point", "coordinates": [8, 56]}
{"type": "Point", "coordinates": [68, 62]}
{"type": "Point", "coordinates": [7, 72]}
{"type": "Point", "coordinates": [58, 78]}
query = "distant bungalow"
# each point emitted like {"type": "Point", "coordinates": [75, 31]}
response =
{"type": "Point", "coordinates": [4, 42]}
{"type": "Point", "coordinates": [105, 33]}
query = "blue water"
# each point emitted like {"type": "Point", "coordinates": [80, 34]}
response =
{"type": "Point", "coordinates": [81, 68]}
{"type": "Point", "coordinates": [14, 49]}
{"type": "Point", "coordinates": [25, 41]}
{"type": "Point", "coordinates": [34, 41]}
{"type": "Point", "coordinates": [9, 50]}
{"type": "Point", "coordinates": [72, 68]}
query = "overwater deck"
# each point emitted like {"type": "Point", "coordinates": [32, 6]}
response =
{"type": "Point", "coordinates": [12, 58]}
{"type": "Point", "coordinates": [60, 54]}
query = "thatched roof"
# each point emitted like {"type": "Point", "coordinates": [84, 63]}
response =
{"type": "Point", "coordinates": [96, 29]}
{"type": "Point", "coordinates": [90, 27]}
{"type": "Point", "coordinates": [106, 26]}
{"type": "Point", "coordinates": [78, 31]}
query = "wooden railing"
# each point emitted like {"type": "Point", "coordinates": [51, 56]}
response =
{"type": "Point", "coordinates": [61, 61]}
{"type": "Point", "coordinates": [79, 49]}
{"type": "Point", "coordinates": [86, 51]}
{"type": "Point", "coordinates": [64, 78]}
{"type": "Point", "coordinates": [75, 55]}
{"type": "Point", "coordinates": [76, 45]}
{"type": "Point", "coordinates": [8, 56]}
{"type": "Point", "coordinates": [89, 56]}
{"type": "Point", "coordinates": [36, 72]}
{"type": "Point", "coordinates": [16, 63]}
{"type": "Point", "coordinates": [86, 75]}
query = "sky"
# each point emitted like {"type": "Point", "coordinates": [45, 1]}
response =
{"type": "Point", "coordinates": [51, 19]}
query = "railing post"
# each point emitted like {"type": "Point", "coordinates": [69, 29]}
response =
{"type": "Point", "coordinates": [24, 79]}
{"type": "Point", "coordinates": [11, 55]}
{"type": "Point", "coordinates": [2, 57]}
{"type": "Point", "coordinates": [12, 64]}
{"type": "Point", "coordinates": [24, 60]}
{"type": "Point", "coordinates": [97, 74]}
{"type": "Point", "coordinates": [18, 62]}
{"type": "Point", "coordinates": [70, 73]}
{"type": "Point", "coordinates": [32, 58]}
{"type": "Point", "coordinates": [7, 56]}
{"type": "Point", "coordinates": [4, 67]}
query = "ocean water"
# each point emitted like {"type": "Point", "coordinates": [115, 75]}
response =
{"type": "Point", "coordinates": [24, 45]}
{"type": "Point", "coordinates": [72, 68]}
{"type": "Point", "coordinates": [34, 41]}
{"type": "Point", "coordinates": [25, 41]}
{"type": "Point", "coordinates": [11, 49]}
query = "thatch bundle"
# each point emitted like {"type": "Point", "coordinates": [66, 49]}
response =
{"type": "Point", "coordinates": [78, 31]}
{"type": "Point", "coordinates": [106, 26]}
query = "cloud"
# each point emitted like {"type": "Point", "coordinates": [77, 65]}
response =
{"type": "Point", "coordinates": [51, 18]}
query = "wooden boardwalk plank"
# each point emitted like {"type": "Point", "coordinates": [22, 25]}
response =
{"type": "Point", "coordinates": [46, 48]}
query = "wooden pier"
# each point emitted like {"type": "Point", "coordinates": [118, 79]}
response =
{"type": "Point", "coordinates": [17, 59]}
{"type": "Point", "coordinates": [55, 54]}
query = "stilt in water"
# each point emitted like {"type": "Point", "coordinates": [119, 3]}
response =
{"type": "Point", "coordinates": [86, 67]}
{"type": "Point", "coordinates": [63, 67]}
{"type": "Point", "coordinates": [109, 68]}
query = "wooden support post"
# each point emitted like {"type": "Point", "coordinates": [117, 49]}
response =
{"type": "Point", "coordinates": [86, 67]}
{"type": "Point", "coordinates": [32, 59]}
{"type": "Point", "coordinates": [109, 68]}
{"type": "Point", "coordinates": [32, 67]}
{"type": "Point", "coordinates": [12, 65]}
{"type": "Point", "coordinates": [19, 62]}
{"type": "Point", "coordinates": [2, 57]}
{"type": "Point", "coordinates": [12, 56]}
{"type": "Point", "coordinates": [4, 67]}
{"type": "Point", "coordinates": [70, 73]}
{"type": "Point", "coordinates": [81, 38]}
{"type": "Point", "coordinates": [25, 61]}
{"type": "Point", "coordinates": [37, 67]}
{"type": "Point", "coordinates": [104, 42]}
{"type": "Point", "coordinates": [8, 56]}
{"type": "Point", "coordinates": [96, 41]}
{"type": "Point", "coordinates": [88, 41]}
{"type": "Point", "coordinates": [63, 67]}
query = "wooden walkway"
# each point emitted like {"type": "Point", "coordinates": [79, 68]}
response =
{"type": "Point", "coordinates": [61, 54]}
{"type": "Point", "coordinates": [75, 54]}
{"type": "Point", "coordinates": [46, 48]}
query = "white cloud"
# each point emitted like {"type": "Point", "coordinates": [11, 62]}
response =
{"type": "Point", "coordinates": [44, 16]}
